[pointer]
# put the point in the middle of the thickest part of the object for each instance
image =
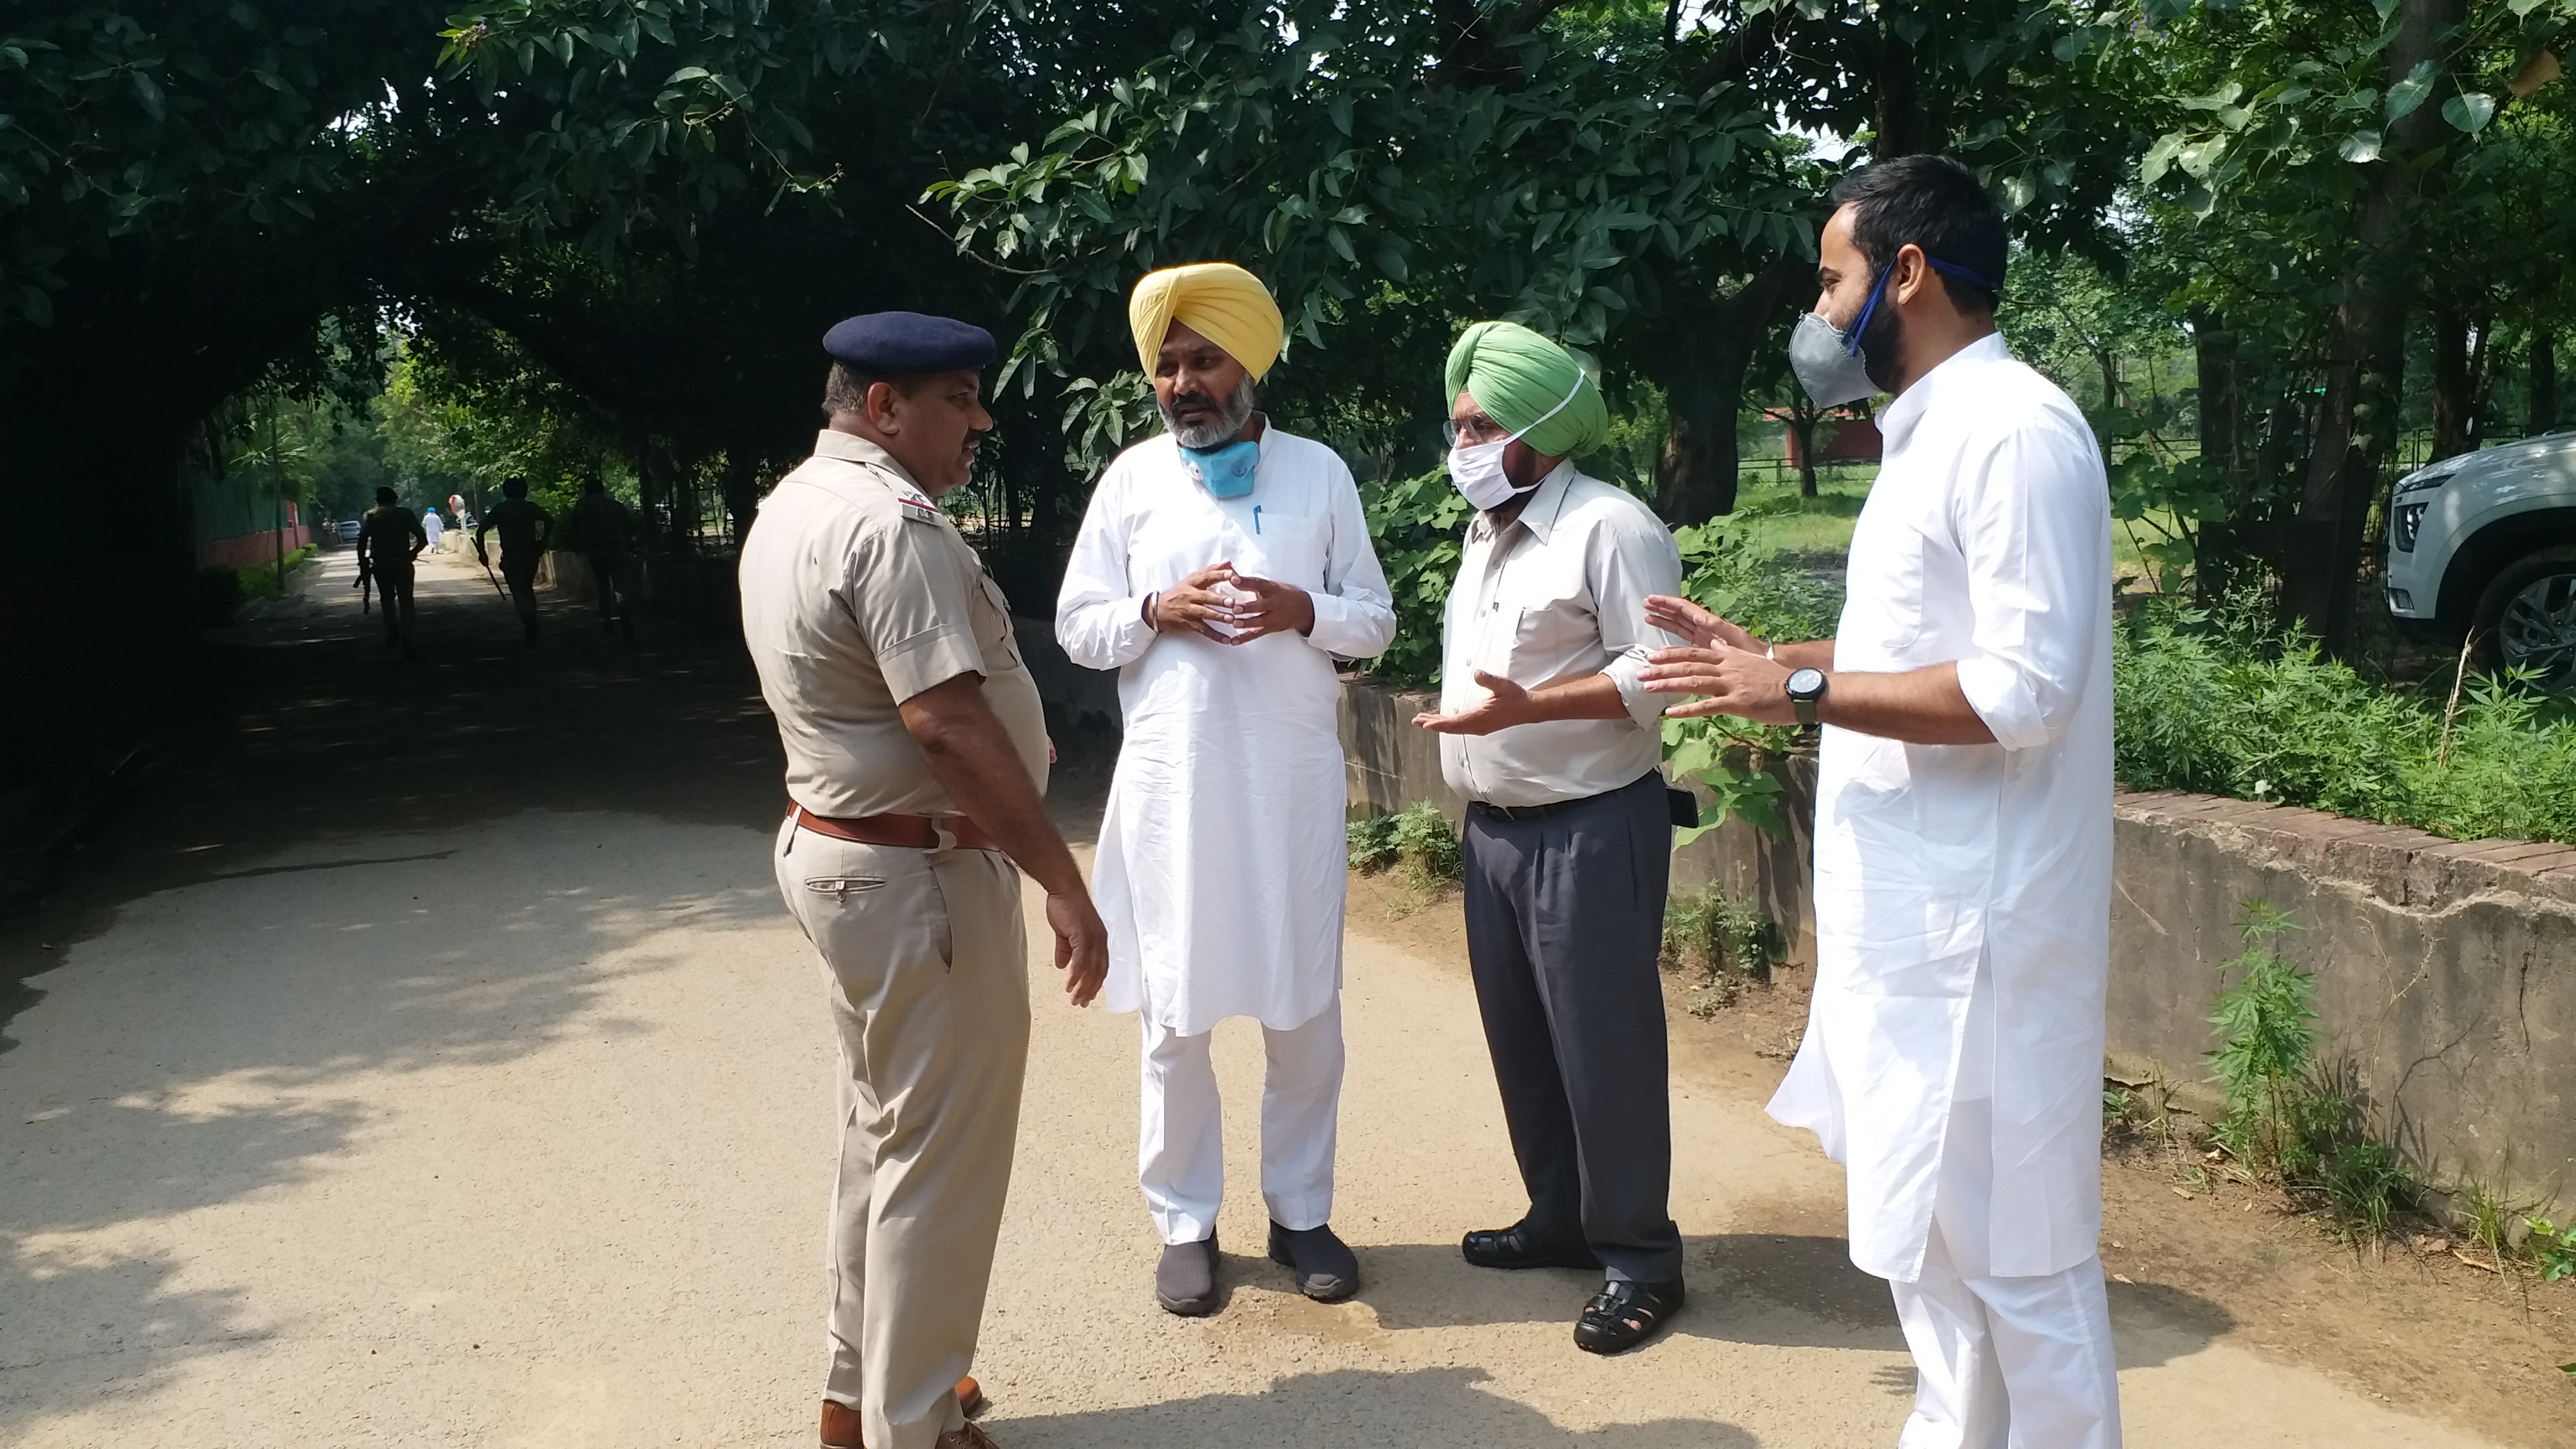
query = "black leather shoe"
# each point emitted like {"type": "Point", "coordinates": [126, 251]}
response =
{"type": "Point", "coordinates": [1517, 1247]}
{"type": "Point", "coordinates": [1623, 1315]}
{"type": "Point", "coordinates": [1185, 1281]}
{"type": "Point", "coordinates": [1327, 1270]}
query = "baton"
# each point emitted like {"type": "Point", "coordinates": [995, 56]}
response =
{"type": "Point", "coordinates": [487, 573]}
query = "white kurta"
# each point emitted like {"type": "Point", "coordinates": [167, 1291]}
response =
{"type": "Point", "coordinates": [1222, 856]}
{"type": "Point", "coordinates": [1986, 540]}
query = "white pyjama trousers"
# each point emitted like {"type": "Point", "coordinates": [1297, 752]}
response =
{"type": "Point", "coordinates": [1180, 1150]}
{"type": "Point", "coordinates": [2001, 1363]}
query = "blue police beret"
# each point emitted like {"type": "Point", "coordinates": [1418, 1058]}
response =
{"type": "Point", "coordinates": [907, 342]}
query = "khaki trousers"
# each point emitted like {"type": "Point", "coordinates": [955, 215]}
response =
{"type": "Point", "coordinates": [928, 971]}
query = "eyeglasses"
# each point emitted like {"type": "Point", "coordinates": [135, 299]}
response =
{"type": "Point", "coordinates": [1474, 430]}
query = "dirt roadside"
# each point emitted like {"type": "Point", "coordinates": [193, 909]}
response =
{"type": "Point", "coordinates": [2425, 1332]}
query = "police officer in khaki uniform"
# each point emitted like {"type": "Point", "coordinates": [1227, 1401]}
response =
{"type": "Point", "coordinates": [916, 770]}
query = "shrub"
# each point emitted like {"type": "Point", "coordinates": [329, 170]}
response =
{"type": "Point", "coordinates": [2208, 700]}
{"type": "Point", "coordinates": [1726, 941]}
{"type": "Point", "coordinates": [1418, 841]}
{"type": "Point", "coordinates": [219, 595]}
{"type": "Point", "coordinates": [1418, 527]}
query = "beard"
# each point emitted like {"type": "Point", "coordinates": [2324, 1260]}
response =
{"type": "Point", "coordinates": [1882, 346]}
{"type": "Point", "coordinates": [1231, 415]}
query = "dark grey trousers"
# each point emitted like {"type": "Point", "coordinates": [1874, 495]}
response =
{"type": "Point", "coordinates": [1565, 921]}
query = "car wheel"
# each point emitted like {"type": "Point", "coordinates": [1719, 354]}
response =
{"type": "Point", "coordinates": [2526, 620]}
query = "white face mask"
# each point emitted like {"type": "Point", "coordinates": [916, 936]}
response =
{"type": "Point", "coordinates": [1477, 472]}
{"type": "Point", "coordinates": [1476, 469]}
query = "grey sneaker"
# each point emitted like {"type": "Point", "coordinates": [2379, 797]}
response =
{"type": "Point", "coordinates": [1185, 1281]}
{"type": "Point", "coordinates": [1327, 1271]}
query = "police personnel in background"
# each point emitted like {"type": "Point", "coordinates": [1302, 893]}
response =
{"type": "Point", "coordinates": [916, 770]}
{"type": "Point", "coordinates": [526, 531]}
{"type": "Point", "coordinates": [389, 539]}
{"type": "Point", "coordinates": [604, 533]}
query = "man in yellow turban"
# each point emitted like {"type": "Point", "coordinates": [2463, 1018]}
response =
{"type": "Point", "coordinates": [1548, 730]}
{"type": "Point", "coordinates": [1221, 569]}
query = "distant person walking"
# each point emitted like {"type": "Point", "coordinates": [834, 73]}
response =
{"type": "Point", "coordinates": [603, 531]}
{"type": "Point", "coordinates": [389, 538]}
{"type": "Point", "coordinates": [526, 532]}
{"type": "Point", "coordinates": [433, 524]}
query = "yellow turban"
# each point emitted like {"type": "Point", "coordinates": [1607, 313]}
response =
{"type": "Point", "coordinates": [1219, 301]}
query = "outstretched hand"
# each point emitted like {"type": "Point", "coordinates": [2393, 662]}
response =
{"type": "Point", "coordinates": [1505, 704]}
{"type": "Point", "coordinates": [1732, 679]}
{"type": "Point", "coordinates": [1697, 626]}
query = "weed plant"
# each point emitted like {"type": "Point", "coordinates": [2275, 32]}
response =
{"type": "Point", "coordinates": [2209, 700]}
{"type": "Point", "coordinates": [2286, 1122]}
{"type": "Point", "coordinates": [1417, 842]}
{"type": "Point", "coordinates": [1726, 941]}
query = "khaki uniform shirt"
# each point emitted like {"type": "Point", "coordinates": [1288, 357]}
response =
{"type": "Point", "coordinates": [857, 594]}
{"type": "Point", "coordinates": [1558, 595]}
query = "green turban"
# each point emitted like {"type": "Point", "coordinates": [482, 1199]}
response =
{"type": "Point", "coordinates": [1520, 378]}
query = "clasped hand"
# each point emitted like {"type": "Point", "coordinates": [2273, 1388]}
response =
{"type": "Point", "coordinates": [1255, 609]}
{"type": "Point", "coordinates": [1722, 662]}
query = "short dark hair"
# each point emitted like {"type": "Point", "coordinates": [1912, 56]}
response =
{"type": "Point", "coordinates": [1937, 204]}
{"type": "Point", "coordinates": [845, 388]}
{"type": "Point", "coordinates": [387, 497]}
{"type": "Point", "coordinates": [515, 487]}
{"type": "Point", "coordinates": [592, 484]}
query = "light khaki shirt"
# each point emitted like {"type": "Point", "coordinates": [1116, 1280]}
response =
{"type": "Point", "coordinates": [857, 594]}
{"type": "Point", "coordinates": [1558, 595]}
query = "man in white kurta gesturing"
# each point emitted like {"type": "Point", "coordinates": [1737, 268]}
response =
{"type": "Point", "coordinates": [1220, 570]}
{"type": "Point", "coordinates": [1953, 1054]}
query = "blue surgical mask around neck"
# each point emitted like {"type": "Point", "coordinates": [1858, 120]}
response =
{"type": "Point", "coordinates": [1227, 471]}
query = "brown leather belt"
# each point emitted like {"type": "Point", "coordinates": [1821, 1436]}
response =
{"type": "Point", "coordinates": [914, 832]}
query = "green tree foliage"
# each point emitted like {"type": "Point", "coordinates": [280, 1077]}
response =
{"type": "Point", "coordinates": [1388, 190]}
{"type": "Point", "coordinates": [2329, 171]}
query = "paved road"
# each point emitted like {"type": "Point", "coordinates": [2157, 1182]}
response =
{"type": "Point", "coordinates": [429, 1061]}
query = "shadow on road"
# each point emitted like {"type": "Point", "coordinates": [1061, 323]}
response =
{"type": "Point", "coordinates": [1778, 1289]}
{"type": "Point", "coordinates": [1355, 1407]}
{"type": "Point", "coordinates": [217, 1048]}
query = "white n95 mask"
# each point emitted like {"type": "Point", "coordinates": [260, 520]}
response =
{"type": "Point", "coordinates": [1476, 470]}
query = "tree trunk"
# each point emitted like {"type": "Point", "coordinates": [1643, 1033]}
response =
{"type": "Point", "coordinates": [2453, 386]}
{"type": "Point", "coordinates": [1702, 376]}
{"type": "Point", "coordinates": [742, 488]}
{"type": "Point", "coordinates": [2221, 402]}
{"type": "Point", "coordinates": [2320, 560]}
{"type": "Point", "coordinates": [1897, 125]}
{"type": "Point", "coordinates": [2543, 414]}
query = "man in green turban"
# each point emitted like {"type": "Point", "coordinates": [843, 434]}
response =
{"type": "Point", "coordinates": [1549, 732]}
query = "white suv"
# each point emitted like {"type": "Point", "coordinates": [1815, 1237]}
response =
{"type": "Point", "coordinates": [2483, 546]}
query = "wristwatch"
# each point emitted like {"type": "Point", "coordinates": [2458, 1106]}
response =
{"type": "Point", "coordinates": [1806, 691]}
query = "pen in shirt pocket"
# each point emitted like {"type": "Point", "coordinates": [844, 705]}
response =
{"type": "Point", "coordinates": [1256, 518]}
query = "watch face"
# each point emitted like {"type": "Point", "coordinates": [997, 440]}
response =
{"type": "Point", "coordinates": [1806, 683]}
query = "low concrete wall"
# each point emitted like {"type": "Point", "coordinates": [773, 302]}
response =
{"type": "Point", "coordinates": [2445, 970]}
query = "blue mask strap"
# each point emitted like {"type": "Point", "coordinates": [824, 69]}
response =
{"type": "Point", "coordinates": [1851, 339]}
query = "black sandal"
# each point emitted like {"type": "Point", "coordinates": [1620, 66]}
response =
{"type": "Point", "coordinates": [1623, 1315]}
